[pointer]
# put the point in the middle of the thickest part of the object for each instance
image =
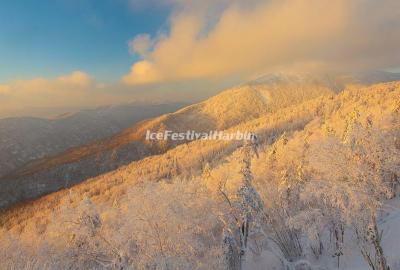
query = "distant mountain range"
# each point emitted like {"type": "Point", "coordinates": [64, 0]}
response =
{"type": "Point", "coordinates": [24, 139]}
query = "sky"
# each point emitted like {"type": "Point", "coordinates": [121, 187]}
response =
{"type": "Point", "coordinates": [62, 54]}
{"type": "Point", "coordinates": [52, 37]}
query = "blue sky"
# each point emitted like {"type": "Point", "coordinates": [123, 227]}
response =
{"type": "Point", "coordinates": [51, 37]}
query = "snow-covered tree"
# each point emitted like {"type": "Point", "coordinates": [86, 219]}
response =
{"type": "Point", "coordinates": [352, 176]}
{"type": "Point", "coordinates": [246, 204]}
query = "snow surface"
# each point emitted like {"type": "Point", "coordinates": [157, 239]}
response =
{"type": "Point", "coordinates": [352, 260]}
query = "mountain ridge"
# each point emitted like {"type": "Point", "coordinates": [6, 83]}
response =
{"type": "Point", "coordinates": [24, 139]}
{"type": "Point", "coordinates": [227, 109]}
{"type": "Point", "coordinates": [109, 187]}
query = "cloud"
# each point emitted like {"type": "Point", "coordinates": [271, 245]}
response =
{"type": "Point", "coordinates": [76, 81]}
{"type": "Point", "coordinates": [4, 89]}
{"type": "Point", "coordinates": [144, 72]}
{"type": "Point", "coordinates": [234, 38]}
{"type": "Point", "coordinates": [74, 89]}
{"type": "Point", "coordinates": [76, 78]}
{"type": "Point", "coordinates": [77, 90]}
{"type": "Point", "coordinates": [140, 45]}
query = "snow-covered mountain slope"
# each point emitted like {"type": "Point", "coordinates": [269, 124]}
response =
{"type": "Point", "coordinates": [25, 139]}
{"type": "Point", "coordinates": [227, 109]}
{"type": "Point", "coordinates": [46, 174]}
{"type": "Point", "coordinates": [171, 210]}
{"type": "Point", "coordinates": [190, 158]}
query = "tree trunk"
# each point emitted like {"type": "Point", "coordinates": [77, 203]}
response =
{"type": "Point", "coordinates": [380, 256]}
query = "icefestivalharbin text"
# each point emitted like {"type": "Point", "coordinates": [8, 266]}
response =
{"type": "Point", "coordinates": [191, 135]}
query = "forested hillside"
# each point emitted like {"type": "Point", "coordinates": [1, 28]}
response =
{"type": "Point", "coordinates": [53, 171]}
{"type": "Point", "coordinates": [315, 188]}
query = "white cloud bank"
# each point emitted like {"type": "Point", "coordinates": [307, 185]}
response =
{"type": "Point", "coordinates": [214, 39]}
{"type": "Point", "coordinates": [74, 89]}
{"type": "Point", "coordinates": [44, 97]}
